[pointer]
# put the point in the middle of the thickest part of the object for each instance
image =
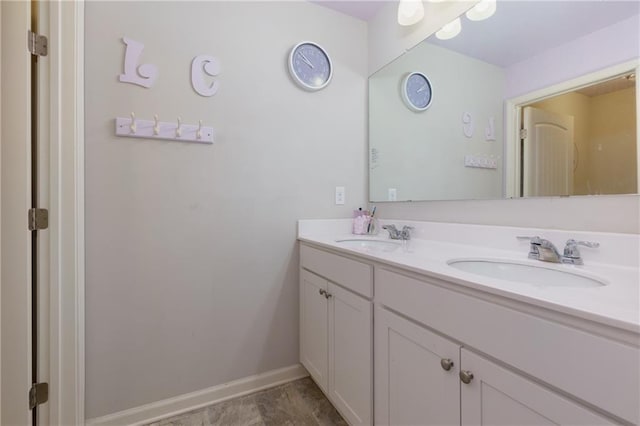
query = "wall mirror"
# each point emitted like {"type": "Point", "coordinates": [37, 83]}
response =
{"type": "Point", "coordinates": [497, 76]}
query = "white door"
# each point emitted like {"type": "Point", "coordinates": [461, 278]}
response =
{"type": "Point", "coordinates": [412, 383]}
{"type": "Point", "coordinates": [547, 153]}
{"type": "Point", "coordinates": [350, 355]}
{"type": "Point", "coordinates": [15, 192]}
{"type": "Point", "coordinates": [314, 354]}
{"type": "Point", "coordinates": [496, 396]}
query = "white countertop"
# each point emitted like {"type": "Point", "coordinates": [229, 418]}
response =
{"type": "Point", "coordinates": [616, 304]}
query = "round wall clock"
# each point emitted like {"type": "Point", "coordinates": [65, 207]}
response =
{"type": "Point", "coordinates": [310, 66]}
{"type": "Point", "coordinates": [417, 92]}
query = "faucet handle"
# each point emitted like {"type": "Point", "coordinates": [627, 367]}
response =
{"type": "Point", "coordinates": [405, 234]}
{"type": "Point", "coordinates": [407, 228]}
{"type": "Point", "coordinates": [534, 252]}
{"type": "Point", "coordinates": [590, 244]}
{"type": "Point", "coordinates": [390, 228]}
{"type": "Point", "coordinates": [394, 234]}
{"type": "Point", "coordinates": [571, 250]}
{"type": "Point", "coordinates": [534, 240]}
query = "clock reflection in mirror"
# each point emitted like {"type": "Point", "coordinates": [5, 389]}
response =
{"type": "Point", "coordinates": [417, 92]}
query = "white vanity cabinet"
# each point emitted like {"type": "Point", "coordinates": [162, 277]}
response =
{"type": "Point", "coordinates": [412, 388]}
{"type": "Point", "coordinates": [336, 330]}
{"type": "Point", "coordinates": [416, 374]}
{"type": "Point", "coordinates": [419, 381]}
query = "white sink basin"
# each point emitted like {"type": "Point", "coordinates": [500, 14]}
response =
{"type": "Point", "coordinates": [537, 275]}
{"type": "Point", "coordinates": [369, 245]}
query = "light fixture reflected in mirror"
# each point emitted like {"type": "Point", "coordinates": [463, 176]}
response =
{"type": "Point", "coordinates": [483, 10]}
{"type": "Point", "coordinates": [410, 12]}
{"type": "Point", "coordinates": [450, 30]}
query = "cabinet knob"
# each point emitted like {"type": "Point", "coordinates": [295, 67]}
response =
{"type": "Point", "coordinates": [466, 376]}
{"type": "Point", "coordinates": [328, 295]}
{"type": "Point", "coordinates": [446, 364]}
{"type": "Point", "coordinates": [322, 292]}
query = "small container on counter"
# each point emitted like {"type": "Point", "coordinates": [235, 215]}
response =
{"type": "Point", "coordinates": [360, 221]}
{"type": "Point", "coordinates": [364, 223]}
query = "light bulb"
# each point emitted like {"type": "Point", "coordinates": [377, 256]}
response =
{"type": "Point", "coordinates": [450, 30]}
{"type": "Point", "coordinates": [482, 10]}
{"type": "Point", "coordinates": [410, 12]}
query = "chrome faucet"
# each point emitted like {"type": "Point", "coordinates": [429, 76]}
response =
{"type": "Point", "coordinates": [546, 251]}
{"type": "Point", "coordinates": [395, 234]}
{"type": "Point", "coordinates": [541, 249]}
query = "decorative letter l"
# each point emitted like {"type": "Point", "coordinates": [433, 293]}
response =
{"type": "Point", "coordinates": [145, 75]}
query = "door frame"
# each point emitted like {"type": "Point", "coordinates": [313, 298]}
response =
{"type": "Point", "coordinates": [66, 211]}
{"type": "Point", "coordinates": [513, 117]}
{"type": "Point", "coordinates": [16, 289]}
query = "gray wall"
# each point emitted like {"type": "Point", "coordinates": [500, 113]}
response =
{"type": "Point", "coordinates": [191, 274]}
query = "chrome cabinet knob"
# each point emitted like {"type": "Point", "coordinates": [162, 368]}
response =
{"type": "Point", "coordinates": [322, 292]}
{"type": "Point", "coordinates": [466, 376]}
{"type": "Point", "coordinates": [328, 295]}
{"type": "Point", "coordinates": [446, 364]}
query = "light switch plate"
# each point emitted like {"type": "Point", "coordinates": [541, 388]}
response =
{"type": "Point", "coordinates": [392, 195]}
{"type": "Point", "coordinates": [339, 195]}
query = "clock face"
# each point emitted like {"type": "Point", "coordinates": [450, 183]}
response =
{"type": "Point", "coordinates": [417, 92]}
{"type": "Point", "coordinates": [310, 66]}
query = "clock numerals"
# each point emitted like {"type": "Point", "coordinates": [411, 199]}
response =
{"type": "Point", "coordinates": [310, 66]}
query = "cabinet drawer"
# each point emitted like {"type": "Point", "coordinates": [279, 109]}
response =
{"type": "Point", "coordinates": [597, 370]}
{"type": "Point", "coordinates": [351, 274]}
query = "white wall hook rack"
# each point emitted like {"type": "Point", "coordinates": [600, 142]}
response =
{"type": "Point", "coordinates": [131, 127]}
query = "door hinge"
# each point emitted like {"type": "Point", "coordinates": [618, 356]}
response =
{"type": "Point", "coordinates": [38, 394]}
{"type": "Point", "coordinates": [523, 133]}
{"type": "Point", "coordinates": [38, 44]}
{"type": "Point", "coordinates": [38, 219]}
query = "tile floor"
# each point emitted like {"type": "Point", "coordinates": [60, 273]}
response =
{"type": "Point", "coordinates": [298, 403]}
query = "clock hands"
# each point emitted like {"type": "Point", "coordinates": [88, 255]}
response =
{"type": "Point", "coordinates": [304, 58]}
{"type": "Point", "coordinates": [422, 89]}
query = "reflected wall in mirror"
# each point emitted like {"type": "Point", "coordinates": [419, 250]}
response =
{"type": "Point", "coordinates": [467, 144]}
{"type": "Point", "coordinates": [594, 152]}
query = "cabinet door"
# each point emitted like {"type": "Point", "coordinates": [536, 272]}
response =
{"type": "Point", "coordinates": [350, 354]}
{"type": "Point", "coordinates": [497, 396]}
{"type": "Point", "coordinates": [412, 387]}
{"type": "Point", "coordinates": [314, 327]}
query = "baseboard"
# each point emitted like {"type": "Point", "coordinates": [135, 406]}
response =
{"type": "Point", "coordinates": [181, 404]}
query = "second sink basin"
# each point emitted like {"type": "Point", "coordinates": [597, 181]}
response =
{"type": "Point", "coordinates": [538, 275]}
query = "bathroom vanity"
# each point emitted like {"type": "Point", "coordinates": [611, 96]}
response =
{"type": "Point", "coordinates": [394, 334]}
